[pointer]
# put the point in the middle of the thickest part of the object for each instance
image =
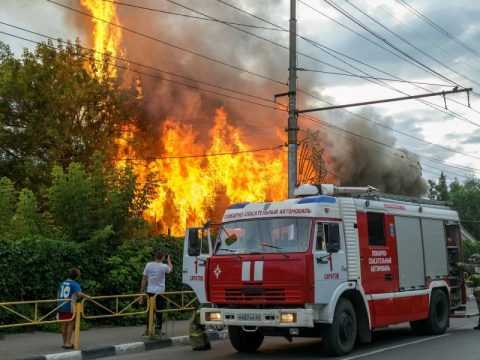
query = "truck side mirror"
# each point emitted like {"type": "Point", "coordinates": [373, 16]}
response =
{"type": "Point", "coordinates": [193, 242]}
{"type": "Point", "coordinates": [333, 238]}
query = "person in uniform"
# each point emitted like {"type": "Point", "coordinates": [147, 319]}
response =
{"type": "Point", "coordinates": [198, 334]}
{"type": "Point", "coordinates": [473, 280]}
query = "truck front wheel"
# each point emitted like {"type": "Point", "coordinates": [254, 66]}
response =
{"type": "Point", "coordinates": [244, 341]}
{"type": "Point", "coordinates": [339, 337]}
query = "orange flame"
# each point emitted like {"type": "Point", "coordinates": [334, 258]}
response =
{"type": "Point", "coordinates": [106, 37]}
{"type": "Point", "coordinates": [193, 190]}
{"type": "Point", "coordinates": [197, 189]}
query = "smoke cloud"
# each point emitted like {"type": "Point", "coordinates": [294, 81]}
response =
{"type": "Point", "coordinates": [354, 161]}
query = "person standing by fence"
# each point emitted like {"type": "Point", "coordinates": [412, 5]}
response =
{"type": "Point", "coordinates": [154, 281]}
{"type": "Point", "coordinates": [68, 292]}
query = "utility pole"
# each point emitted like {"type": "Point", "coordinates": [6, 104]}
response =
{"type": "Point", "coordinates": [292, 102]}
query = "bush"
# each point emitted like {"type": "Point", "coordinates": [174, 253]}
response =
{"type": "Point", "coordinates": [33, 267]}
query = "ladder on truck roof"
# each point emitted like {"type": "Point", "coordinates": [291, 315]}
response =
{"type": "Point", "coordinates": [378, 196]}
{"type": "Point", "coordinates": [365, 192]}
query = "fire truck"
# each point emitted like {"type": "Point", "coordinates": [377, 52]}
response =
{"type": "Point", "coordinates": [334, 262]}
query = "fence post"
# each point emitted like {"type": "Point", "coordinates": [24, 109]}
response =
{"type": "Point", "coordinates": [151, 316]}
{"type": "Point", "coordinates": [78, 315]}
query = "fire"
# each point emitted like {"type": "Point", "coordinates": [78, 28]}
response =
{"type": "Point", "coordinates": [192, 189]}
{"type": "Point", "coordinates": [106, 38]}
{"type": "Point", "coordinates": [196, 189]}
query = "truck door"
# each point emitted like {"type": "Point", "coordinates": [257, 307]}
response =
{"type": "Point", "coordinates": [378, 259]}
{"type": "Point", "coordinates": [329, 261]}
{"type": "Point", "coordinates": [197, 248]}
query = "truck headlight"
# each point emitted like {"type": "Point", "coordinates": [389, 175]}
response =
{"type": "Point", "coordinates": [288, 318]}
{"type": "Point", "coordinates": [213, 316]}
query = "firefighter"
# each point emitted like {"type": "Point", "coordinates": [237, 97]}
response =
{"type": "Point", "coordinates": [473, 280]}
{"type": "Point", "coordinates": [198, 335]}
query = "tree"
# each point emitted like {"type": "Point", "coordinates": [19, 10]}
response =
{"type": "Point", "coordinates": [439, 191]}
{"type": "Point", "coordinates": [57, 106]}
{"type": "Point", "coordinates": [7, 207]}
{"type": "Point", "coordinates": [466, 200]}
{"type": "Point", "coordinates": [27, 220]}
{"type": "Point", "coordinates": [86, 204]}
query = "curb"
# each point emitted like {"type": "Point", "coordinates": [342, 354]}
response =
{"type": "Point", "coordinates": [121, 349]}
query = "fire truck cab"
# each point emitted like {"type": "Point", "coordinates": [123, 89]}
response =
{"type": "Point", "coordinates": [334, 263]}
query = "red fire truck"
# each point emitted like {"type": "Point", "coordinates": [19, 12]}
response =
{"type": "Point", "coordinates": [335, 263]}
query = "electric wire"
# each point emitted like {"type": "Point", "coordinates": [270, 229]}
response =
{"type": "Point", "coordinates": [190, 16]}
{"type": "Point", "coordinates": [410, 44]}
{"type": "Point", "coordinates": [166, 43]}
{"type": "Point", "coordinates": [418, 34]}
{"type": "Point", "coordinates": [434, 106]}
{"type": "Point", "coordinates": [219, 94]}
{"type": "Point", "coordinates": [156, 76]}
{"type": "Point", "coordinates": [427, 103]}
{"type": "Point", "coordinates": [437, 27]}
{"type": "Point", "coordinates": [107, 55]}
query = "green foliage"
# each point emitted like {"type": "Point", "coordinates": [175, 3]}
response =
{"type": "Point", "coordinates": [55, 107]}
{"type": "Point", "coordinates": [27, 221]}
{"type": "Point", "coordinates": [470, 248]}
{"type": "Point", "coordinates": [466, 200]}
{"type": "Point", "coordinates": [439, 189]}
{"type": "Point", "coordinates": [33, 267]}
{"type": "Point", "coordinates": [84, 203]}
{"type": "Point", "coordinates": [7, 207]}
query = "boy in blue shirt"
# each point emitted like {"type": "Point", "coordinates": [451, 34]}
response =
{"type": "Point", "coordinates": [68, 291]}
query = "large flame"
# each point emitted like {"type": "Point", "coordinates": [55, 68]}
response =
{"type": "Point", "coordinates": [106, 38]}
{"type": "Point", "coordinates": [196, 189]}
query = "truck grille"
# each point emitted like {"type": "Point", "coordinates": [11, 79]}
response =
{"type": "Point", "coordinates": [255, 294]}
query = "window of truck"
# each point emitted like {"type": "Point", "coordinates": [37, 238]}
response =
{"type": "Point", "coordinates": [262, 236]}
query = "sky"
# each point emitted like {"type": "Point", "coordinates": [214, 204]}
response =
{"type": "Point", "coordinates": [426, 58]}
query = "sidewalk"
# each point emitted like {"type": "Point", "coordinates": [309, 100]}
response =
{"type": "Point", "coordinates": [94, 343]}
{"type": "Point", "coordinates": [102, 342]}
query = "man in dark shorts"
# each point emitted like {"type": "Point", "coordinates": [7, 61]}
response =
{"type": "Point", "coordinates": [68, 292]}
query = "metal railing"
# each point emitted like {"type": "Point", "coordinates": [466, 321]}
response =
{"type": "Point", "coordinates": [38, 312]}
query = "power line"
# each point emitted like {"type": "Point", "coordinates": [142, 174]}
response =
{"type": "Point", "coordinates": [418, 34]}
{"type": "Point", "coordinates": [382, 39]}
{"type": "Point", "coordinates": [432, 105]}
{"type": "Point", "coordinates": [155, 76]}
{"type": "Point", "coordinates": [371, 77]}
{"type": "Point", "coordinates": [437, 27]}
{"type": "Point", "coordinates": [190, 16]}
{"type": "Point", "coordinates": [107, 55]}
{"type": "Point", "coordinates": [331, 127]}
{"type": "Point", "coordinates": [200, 155]}
{"type": "Point", "coordinates": [410, 44]}
{"type": "Point", "coordinates": [167, 43]}
{"type": "Point", "coordinates": [222, 94]}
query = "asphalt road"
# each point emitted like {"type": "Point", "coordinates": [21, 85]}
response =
{"type": "Point", "coordinates": [460, 342]}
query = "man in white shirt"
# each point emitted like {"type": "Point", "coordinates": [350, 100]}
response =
{"type": "Point", "coordinates": [154, 276]}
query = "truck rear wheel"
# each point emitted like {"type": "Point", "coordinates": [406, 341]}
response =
{"type": "Point", "coordinates": [339, 337]}
{"type": "Point", "coordinates": [437, 321]}
{"type": "Point", "coordinates": [244, 341]}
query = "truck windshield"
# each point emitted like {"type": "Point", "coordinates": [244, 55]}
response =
{"type": "Point", "coordinates": [260, 236]}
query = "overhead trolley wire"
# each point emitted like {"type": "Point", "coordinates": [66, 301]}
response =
{"type": "Point", "coordinates": [313, 119]}
{"type": "Point", "coordinates": [436, 107]}
{"type": "Point", "coordinates": [410, 44]}
{"type": "Point", "coordinates": [173, 45]}
{"type": "Point", "coordinates": [147, 74]}
{"type": "Point", "coordinates": [167, 43]}
{"type": "Point", "coordinates": [190, 16]}
{"type": "Point", "coordinates": [437, 27]}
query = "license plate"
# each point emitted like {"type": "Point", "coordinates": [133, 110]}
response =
{"type": "Point", "coordinates": [249, 317]}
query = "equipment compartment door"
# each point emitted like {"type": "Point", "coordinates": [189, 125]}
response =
{"type": "Point", "coordinates": [330, 263]}
{"type": "Point", "coordinates": [378, 258]}
{"type": "Point", "coordinates": [197, 248]}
